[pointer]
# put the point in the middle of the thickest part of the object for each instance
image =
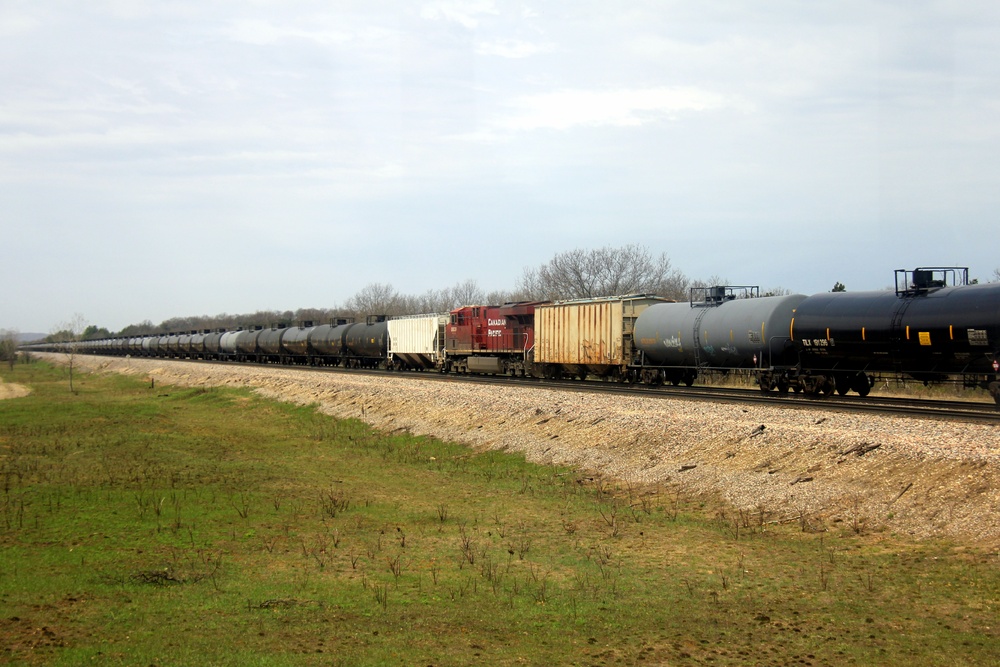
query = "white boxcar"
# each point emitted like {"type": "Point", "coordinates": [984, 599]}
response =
{"type": "Point", "coordinates": [417, 341]}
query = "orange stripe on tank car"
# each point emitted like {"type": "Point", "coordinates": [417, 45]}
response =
{"type": "Point", "coordinates": [951, 331]}
{"type": "Point", "coordinates": [791, 330]}
{"type": "Point", "coordinates": [863, 334]}
{"type": "Point", "coordinates": [907, 332]}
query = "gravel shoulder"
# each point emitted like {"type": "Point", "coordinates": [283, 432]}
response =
{"type": "Point", "coordinates": [922, 478]}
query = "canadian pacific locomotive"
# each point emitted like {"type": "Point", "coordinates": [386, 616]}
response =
{"type": "Point", "coordinates": [935, 326]}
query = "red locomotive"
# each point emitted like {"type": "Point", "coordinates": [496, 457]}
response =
{"type": "Point", "coordinates": [491, 339]}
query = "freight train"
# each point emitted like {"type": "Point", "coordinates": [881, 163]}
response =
{"type": "Point", "coordinates": [933, 327]}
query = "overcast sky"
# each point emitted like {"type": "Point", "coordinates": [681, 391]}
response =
{"type": "Point", "coordinates": [162, 159]}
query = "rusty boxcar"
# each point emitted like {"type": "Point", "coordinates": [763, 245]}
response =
{"type": "Point", "coordinates": [588, 336]}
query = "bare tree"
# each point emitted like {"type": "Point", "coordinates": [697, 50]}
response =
{"type": "Point", "coordinates": [431, 301]}
{"type": "Point", "coordinates": [68, 338]}
{"type": "Point", "coordinates": [376, 299]}
{"type": "Point", "coordinates": [607, 271]}
{"type": "Point", "coordinates": [500, 297]}
{"type": "Point", "coordinates": [996, 275]}
{"type": "Point", "coordinates": [465, 294]}
{"type": "Point", "coordinates": [8, 346]}
{"type": "Point", "coordinates": [714, 280]}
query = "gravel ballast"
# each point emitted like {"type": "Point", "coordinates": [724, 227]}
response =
{"type": "Point", "coordinates": [819, 467]}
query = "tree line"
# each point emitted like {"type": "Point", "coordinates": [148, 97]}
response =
{"type": "Point", "coordinates": [630, 269]}
{"type": "Point", "coordinates": [576, 274]}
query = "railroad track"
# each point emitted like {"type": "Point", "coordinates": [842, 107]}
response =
{"type": "Point", "coordinates": [978, 412]}
{"type": "Point", "coordinates": [968, 411]}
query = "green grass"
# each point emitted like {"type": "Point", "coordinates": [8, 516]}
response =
{"type": "Point", "coordinates": [174, 526]}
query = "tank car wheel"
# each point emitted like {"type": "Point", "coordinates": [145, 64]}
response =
{"type": "Point", "coordinates": [994, 389]}
{"type": "Point", "coordinates": [689, 379]}
{"type": "Point", "coordinates": [843, 384]}
{"type": "Point", "coordinates": [861, 383]}
{"type": "Point", "coordinates": [782, 387]}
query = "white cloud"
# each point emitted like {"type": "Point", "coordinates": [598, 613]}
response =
{"type": "Point", "coordinates": [564, 109]}
{"type": "Point", "coordinates": [386, 115]}
{"type": "Point", "coordinates": [259, 32]}
{"type": "Point", "coordinates": [466, 13]}
{"type": "Point", "coordinates": [16, 24]}
{"type": "Point", "coordinates": [512, 48]}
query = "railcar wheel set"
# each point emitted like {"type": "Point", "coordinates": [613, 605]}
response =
{"type": "Point", "coordinates": [935, 327]}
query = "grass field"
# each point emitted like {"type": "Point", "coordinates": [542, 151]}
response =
{"type": "Point", "coordinates": [167, 526]}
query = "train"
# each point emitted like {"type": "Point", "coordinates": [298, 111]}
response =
{"type": "Point", "coordinates": [934, 327]}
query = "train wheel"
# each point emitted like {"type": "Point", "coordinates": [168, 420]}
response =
{"type": "Point", "coordinates": [818, 386]}
{"type": "Point", "coordinates": [861, 383]}
{"type": "Point", "coordinates": [994, 389]}
{"type": "Point", "coordinates": [689, 379]}
{"type": "Point", "coordinates": [843, 384]}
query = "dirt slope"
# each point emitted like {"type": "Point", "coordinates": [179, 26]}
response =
{"type": "Point", "coordinates": [820, 468]}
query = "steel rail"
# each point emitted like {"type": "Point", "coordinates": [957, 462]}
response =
{"type": "Point", "coordinates": [974, 412]}
{"type": "Point", "coordinates": [967, 411]}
